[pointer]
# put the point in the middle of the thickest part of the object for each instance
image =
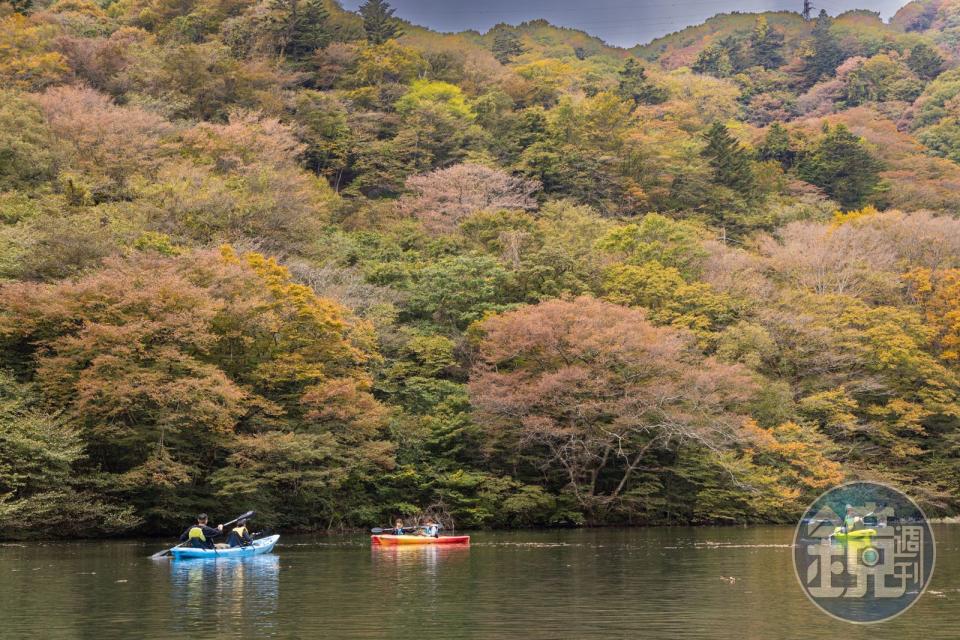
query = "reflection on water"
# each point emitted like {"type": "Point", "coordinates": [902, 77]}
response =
{"type": "Point", "coordinates": [667, 583]}
{"type": "Point", "coordinates": [425, 557]}
{"type": "Point", "coordinates": [413, 575]}
{"type": "Point", "coordinates": [225, 590]}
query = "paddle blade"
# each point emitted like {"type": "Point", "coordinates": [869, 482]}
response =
{"type": "Point", "coordinates": [160, 554]}
{"type": "Point", "coordinates": [245, 516]}
{"type": "Point", "coordinates": [376, 530]}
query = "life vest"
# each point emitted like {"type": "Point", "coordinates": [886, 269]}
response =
{"type": "Point", "coordinates": [196, 533]}
{"type": "Point", "coordinates": [240, 531]}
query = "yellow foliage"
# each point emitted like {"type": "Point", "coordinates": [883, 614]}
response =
{"type": "Point", "coordinates": [938, 294]}
{"type": "Point", "coordinates": [27, 60]}
{"type": "Point", "coordinates": [85, 7]}
{"type": "Point", "coordinates": [552, 71]}
{"type": "Point", "coordinates": [797, 453]}
{"type": "Point", "coordinates": [843, 217]}
{"type": "Point", "coordinates": [668, 298]}
{"type": "Point", "coordinates": [311, 339]}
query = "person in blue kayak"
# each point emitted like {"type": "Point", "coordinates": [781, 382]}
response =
{"type": "Point", "coordinates": [240, 536]}
{"type": "Point", "coordinates": [200, 535]}
{"type": "Point", "coordinates": [398, 528]}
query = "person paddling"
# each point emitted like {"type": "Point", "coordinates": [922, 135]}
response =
{"type": "Point", "coordinates": [200, 535]}
{"type": "Point", "coordinates": [431, 529]}
{"type": "Point", "coordinates": [850, 520]}
{"type": "Point", "coordinates": [240, 536]}
{"type": "Point", "coordinates": [398, 528]}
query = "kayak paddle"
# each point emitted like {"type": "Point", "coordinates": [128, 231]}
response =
{"type": "Point", "coordinates": [861, 520]}
{"type": "Point", "coordinates": [161, 554]}
{"type": "Point", "coordinates": [379, 530]}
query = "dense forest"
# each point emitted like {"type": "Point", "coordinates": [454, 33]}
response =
{"type": "Point", "coordinates": [339, 268]}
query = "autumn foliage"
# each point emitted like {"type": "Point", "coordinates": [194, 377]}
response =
{"type": "Point", "coordinates": [602, 393]}
{"type": "Point", "coordinates": [339, 268]}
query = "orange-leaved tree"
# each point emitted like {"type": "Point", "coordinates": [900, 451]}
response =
{"type": "Point", "coordinates": [170, 366]}
{"type": "Point", "coordinates": [595, 395]}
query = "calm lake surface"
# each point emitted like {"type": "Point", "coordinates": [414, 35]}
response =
{"type": "Point", "coordinates": [623, 583]}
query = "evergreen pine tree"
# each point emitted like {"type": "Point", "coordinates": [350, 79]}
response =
{"type": "Point", "coordinates": [925, 61]}
{"type": "Point", "coordinates": [722, 59]}
{"type": "Point", "coordinates": [21, 6]}
{"type": "Point", "coordinates": [729, 161]}
{"type": "Point", "coordinates": [766, 44]}
{"type": "Point", "coordinates": [506, 44]}
{"type": "Point", "coordinates": [635, 86]}
{"type": "Point", "coordinates": [378, 21]}
{"type": "Point", "coordinates": [715, 61]}
{"type": "Point", "coordinates": [826, 54]}
{"type": "Point", "coordinates": [299, 26]}
{"type": "Point", "coordinates": [841, 165]}
{"type": "Point", "coordinates": [312, 33]}
{"type": "Point", "coordinates": [778, 147]}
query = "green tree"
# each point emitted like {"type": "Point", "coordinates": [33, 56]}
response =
{"type": "Point", "coordinates": [40, 490]}
{"type": "Point", "coordinates": [299, 26]}
{"type": "Point", "coordinates": [379, 25]}
{"type": "Point", "coordinates": [714, 60]}
{"type": "Point", "coordinates": [925, 61]}
{"type": "Point", "coordinates": [766, 45]}
{"type": "Point", "coordinates": [325, 131]}
{"type": "Point", "coordinates": [668, 299]}
{"type": "Point", "coordinates": [21, 6]}
{"type": "Point", "coordinates": [636, 87]}
{"type": "Point", "coordinates": [27, 145]}
{"type": "Point", "coordinates": [455, 291]}
{"type": "Point", "coordinates": [825, 53]}
{"type": "Point", "coordinates": [840, 164]}
{"type": "Point", "coordinates": [729, 160]}
{"type": "Point", "coordinates": [669, 242]}
{"type": "Point", "coordinates": [506, 44]}
{"type": "Point", "coordinates": [722, 59]}
{"type": "Point", "coordinates": [778, 147]}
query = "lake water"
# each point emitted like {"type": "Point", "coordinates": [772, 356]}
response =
{"type": "Point", "coordinates": [622, 583]}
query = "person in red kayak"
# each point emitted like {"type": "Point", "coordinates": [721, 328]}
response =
{"type": "Point", "coordinates": [200, 535]}
{"type": "Point", "coordinates": [430, 529]}
{"type": "Point", "coordinates": [398, 528]}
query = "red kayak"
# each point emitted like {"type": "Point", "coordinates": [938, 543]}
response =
{"type": "Point", "coordinates": [391, 540]}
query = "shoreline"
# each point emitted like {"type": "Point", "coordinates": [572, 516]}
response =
{"type": "Point", "coordinates": [13, 542]}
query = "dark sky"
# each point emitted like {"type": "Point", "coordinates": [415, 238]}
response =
{"type": "Point", "coordinates": [618, 22]}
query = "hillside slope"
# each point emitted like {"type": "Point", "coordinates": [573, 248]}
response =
{"type": "Point", "coordinates": [340, 268]}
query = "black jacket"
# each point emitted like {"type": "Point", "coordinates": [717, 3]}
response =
{"type": "Point", "coordinates": [208, 532]}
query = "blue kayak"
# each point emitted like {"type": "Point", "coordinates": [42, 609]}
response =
{"type": "Point", "coordinates": [263, 545]}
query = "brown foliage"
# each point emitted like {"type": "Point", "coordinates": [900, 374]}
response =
{"type": "Point", "coordinates": [442, 198]}
{"type": "Point", "coordinates": [599, 389]}
{"type": "Point", "coordinates": [107, 142]}
{"type": "Point", "coordinates": [244, 183]}
{"type": "Point", "coordinates": [156, 356]}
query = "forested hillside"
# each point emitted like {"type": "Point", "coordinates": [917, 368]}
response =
{"type": "Point", "coordinates": [339, 268]}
